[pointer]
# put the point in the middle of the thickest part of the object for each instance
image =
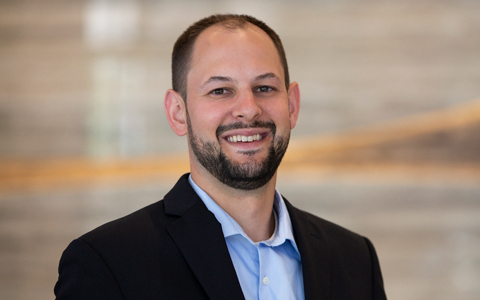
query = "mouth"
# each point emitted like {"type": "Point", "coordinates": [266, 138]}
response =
{"type": "Point", "coordinates": [240, 133]}
{"type": "Point", "coordinates": [244, 138]}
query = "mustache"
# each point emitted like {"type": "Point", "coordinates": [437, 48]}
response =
{"type": "Point", "coordinates": [240, 125]}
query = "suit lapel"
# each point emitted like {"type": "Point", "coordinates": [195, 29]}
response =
{"type": "Point", "coordinates": [315, 255]}
{"type": "Point", "coordinates": [200, 238]}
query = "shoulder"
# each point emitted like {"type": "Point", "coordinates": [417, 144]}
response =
{"type": "Point", "coordinates": [93, 266]}
{"type": "Point", "coordinates": [350, 257]}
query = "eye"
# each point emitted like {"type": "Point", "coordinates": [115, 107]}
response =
{"type": "Point", "coordinates": [264, 89]}
{"type": "Point", "coordinates": [219, 91]}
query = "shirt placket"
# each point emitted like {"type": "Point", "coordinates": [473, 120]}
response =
{"type": "Point", "coordinates": [265, 279]}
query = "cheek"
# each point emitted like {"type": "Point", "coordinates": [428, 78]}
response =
{"type": "Point", "coordinates": [205, 120]}
{"type": "Point", "coordinates": [280, 115]}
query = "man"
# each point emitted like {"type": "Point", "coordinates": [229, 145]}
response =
{"type": "Point", "coordinates": [223, 231]}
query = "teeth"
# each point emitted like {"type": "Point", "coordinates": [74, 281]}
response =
{"type": "Point", "coordinates": [244, 138]}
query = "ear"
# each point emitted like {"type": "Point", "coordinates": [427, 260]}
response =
{"type": "Point", "coordinates": [293, 103]}
{"type": "Point", "coordinates": [176, 112]}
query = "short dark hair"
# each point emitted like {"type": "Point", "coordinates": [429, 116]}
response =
{"type": "Point", "coordinates": [184, 46]}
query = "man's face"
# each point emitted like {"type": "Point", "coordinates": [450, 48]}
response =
{"type": "Point", "coordinates": [238, 108]}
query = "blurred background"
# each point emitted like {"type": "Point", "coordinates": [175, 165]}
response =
{"type": "Point", "coordinates": [387, 143]}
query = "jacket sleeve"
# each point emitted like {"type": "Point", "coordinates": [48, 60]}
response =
{"type": "Point", "coordinates": [83, 274]}
{"type": "Point", "coordinates": [378, 292]}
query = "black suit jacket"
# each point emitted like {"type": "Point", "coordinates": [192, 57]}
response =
{"type": "Point", "coordinates": [175, 249]}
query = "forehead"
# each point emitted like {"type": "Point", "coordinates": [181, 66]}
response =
{"type": "Point", "coordinates": [220, 45]}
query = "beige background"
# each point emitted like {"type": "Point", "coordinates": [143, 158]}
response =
{"type": "Point", "coordinates": [387, 145]}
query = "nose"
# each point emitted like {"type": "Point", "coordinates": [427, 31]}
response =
{"type": "Point", "coordinates": [247, 107]}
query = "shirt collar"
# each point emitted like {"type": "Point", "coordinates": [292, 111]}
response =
{"type": "Point", "coordinates": [283, 225]}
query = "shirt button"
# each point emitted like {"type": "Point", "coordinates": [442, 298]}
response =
{"type": "Point", "coordinates": [266, 280]}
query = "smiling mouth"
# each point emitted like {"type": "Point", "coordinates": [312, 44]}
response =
{"type": "Point", "coordinates": [244, 138]}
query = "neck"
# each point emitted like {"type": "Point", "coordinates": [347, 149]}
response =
{"type": "Point", "coordinates": [252, 210]}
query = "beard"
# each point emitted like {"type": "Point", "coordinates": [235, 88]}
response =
{"type": "Point", "coordinates": [247, 176]}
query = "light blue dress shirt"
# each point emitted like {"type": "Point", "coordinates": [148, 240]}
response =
{"type": "Point", "coordinates": [269, 269]}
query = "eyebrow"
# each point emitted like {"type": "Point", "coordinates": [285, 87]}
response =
{"type": "Point", "coordinates": [266, 76]}
{"type": "Point", "coordinates": [217, 78]}
{"type": "Point", "coordinates": [229, 79]}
